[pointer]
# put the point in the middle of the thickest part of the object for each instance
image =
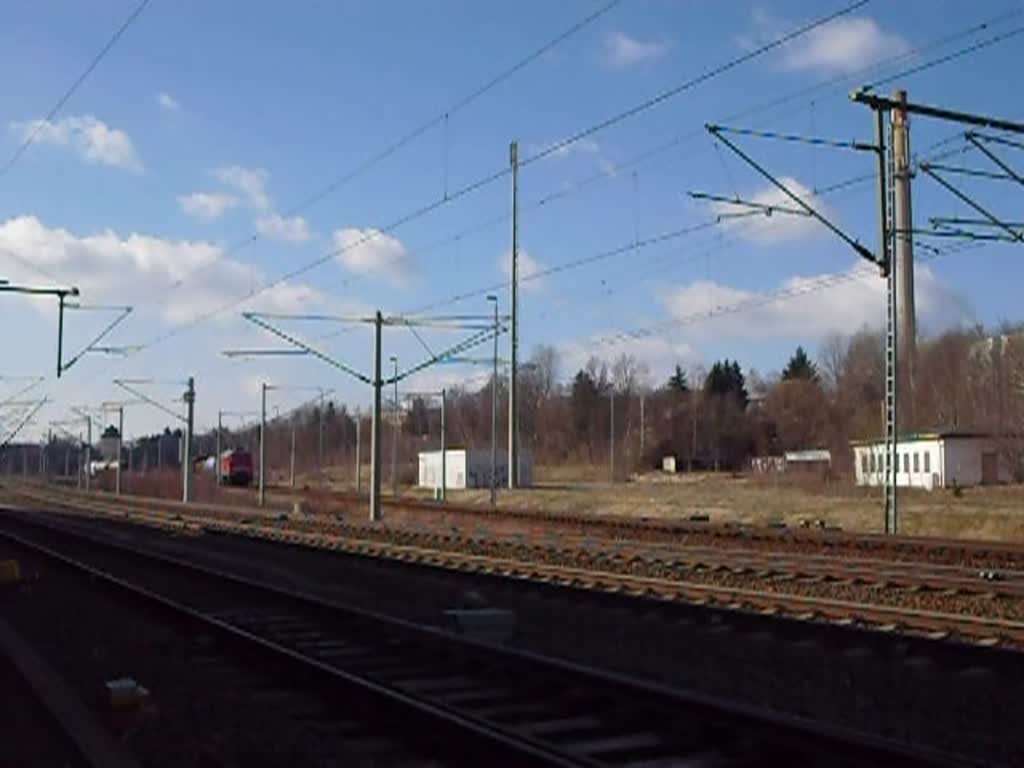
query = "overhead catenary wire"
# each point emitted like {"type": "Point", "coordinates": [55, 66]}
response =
{"type": "Point", "coordinates": [21, 424]}
{"type": "Point", "coordinates": [495, 176]}
{"type": "Point", "coordinates": [621, 249]}
{"type": "Point", "coordinates": [755, 301]}
{"type": "Point", "coordinates": [29, 264]}
{"type": "Point", "coordinates": [837, 186]}
{"type": "Point", "coordinates": [33, 382]}
{"type": "Point", "coordinates": [722, 244]}
{"type": "Point", "coordinates": [625, 248]}
{"type": "Point", "coordinates": [66, 96]}
{"type": "Point", "coordinates": [689, 84]}
{"type": "Point", "coordinates": [675, 142]}
{"type": "Point", "coordinates": [644, 156]}
{"type": "Point", "coordinates": [929, 151]}
{"type": "Point", "coordinates": [980, 45]}
{"type": "Point", "coordinates": [490, 178]}
{"type": "Point", "coordinates": [442, 118]}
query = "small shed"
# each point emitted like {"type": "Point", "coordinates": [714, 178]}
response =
{"type": "Point", "coordinates": [816, 459]}
{"type": "Point", "coordinates": [934, 460]}
{"type": "Point", "coordinates": [470, 469]}
{"type": "Point", "coordinates": [763, 465]}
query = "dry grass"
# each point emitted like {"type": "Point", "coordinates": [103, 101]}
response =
{"type": "Point", "coordinates": [995, 512]}
{"type": "Point", "coordinates": [980, 513]}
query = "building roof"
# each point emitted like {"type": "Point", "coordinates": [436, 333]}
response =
{"type": "Point", "coordinates": [916, 436]}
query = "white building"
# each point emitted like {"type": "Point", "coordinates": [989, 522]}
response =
{"type": "Point", "coordinates": [470, 469]}
{"type": "Point", "coordinates": [811, 460]}
{"type": "Point", "coordinates": [934, 460]}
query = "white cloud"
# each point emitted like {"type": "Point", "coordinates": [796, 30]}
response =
{"type": "Point", "coordinates": [371, 252]}
{"type": "Point", "coordinates": [584, 146]}
{"type": "Point", "coordinates": [805, 307]}
{"type": "Point", "coordinates": [292, 229]}
{"type": "Point", "coordinates": [93, 140]}
{"type": "Point", "coordinates": [845, 44]}
{"type": "Point", "coordinates": [112, 268]}
{"type": "Point", "coordinates": [167, 102]}
{"type": "Point", "coordinates": [250, 182]}
{"type": "Point", "coordinates": [779, 227]}
{"type": "Point", "coordinates": [438, 377]}
{"type": "Point", "coordinates": [529, 269]}
{"type": "Point", "coordinates": [623, 51]}
{"type": "Point", "coordinates": [207, 205]}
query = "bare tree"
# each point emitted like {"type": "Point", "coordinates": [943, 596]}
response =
{"type": "Point", "coordinates": [545, 367]}
{"type": "Point", "coordinates": [831, 360]}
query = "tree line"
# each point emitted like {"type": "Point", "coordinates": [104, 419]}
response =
{"type": "Point", "coordinates": [716, 417]}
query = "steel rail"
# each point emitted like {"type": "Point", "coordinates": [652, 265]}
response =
{"type": "Point", "coordinates": [600, 527]}
{"type": "Point", "coordinates": [772, 733]}
{"type": "Point", "coordinates": [882, 616]}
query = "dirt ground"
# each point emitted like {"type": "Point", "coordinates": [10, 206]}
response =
{"type": "Point", "coordinates": [977, 513]}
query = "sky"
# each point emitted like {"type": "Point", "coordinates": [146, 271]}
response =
{"type": "Point", "coordinates": [225, 158]}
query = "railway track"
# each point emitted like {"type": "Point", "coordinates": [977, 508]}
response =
{"type": "Point", "coordinates": [411, 513]}
{"type": "Point", "coordinates": [883, 572]}
{"type": "Point", "coordinates": [755, 591]}
{"type": "Point", "coordinates": [992, 555]}
{"type": "Point", "coordinates": [490, 703]}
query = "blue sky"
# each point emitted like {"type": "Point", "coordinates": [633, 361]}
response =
{"type": "Point", "coordinates": [209, 123]}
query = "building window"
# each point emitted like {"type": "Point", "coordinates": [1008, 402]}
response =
{"type": "Point", "coordinates": [906, 463]}
{"type": "Point", "coordinates": [864, 463]}
{"type": "Point", "coordinates": [927, 462]}
{"type": "Point", "coordinates": [872, 463]}
{"type": "Point", "coordinates": [917, 463]}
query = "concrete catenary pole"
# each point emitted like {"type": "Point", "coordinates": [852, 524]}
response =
{"type": "Point", "coordinates": [887, 257]}
{"type": "Point", "coordinates": [261, 496]}
{"type": "Point", "coordinates": [444, 448]}
{"type": "Point", "coordinates": [291, 476]}
{"type": "Point", "coordinates": [513, 410]}
{"type": "Point", "coordinates": [611, 436]}
{"type": "Point", "coordinates": [186, 462]}
{"type": "Point", "coordinates": [394, 435]}
{"type": "Point", "coordinates": [904, 238]}
{"type": "Point", "coordinates": [643, 428]}
{"type": "Point", "coordinates": [88, 451]}
{"type": "Point", "coordinates": [359, 453]}
{"type": "Point", "coordinates": [320, 439]}
{"type": "Point", "coordinates": [220, 429]}
{"type": "Point", "coordinates": [120, 445]}
{"type": "Point", "coordinates": [494, 409]}
{"type": "Point", "coordinates": [693, 434]}
{"type": "Point", "coordinates": [375, 424]}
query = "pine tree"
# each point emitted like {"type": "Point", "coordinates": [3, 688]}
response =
{"type": "Point", "coordinates": [726, 378]}
{"type": "Point", "coordinates": [800, 367]}
{"type": "Point", "coordinates": [677, 382]}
